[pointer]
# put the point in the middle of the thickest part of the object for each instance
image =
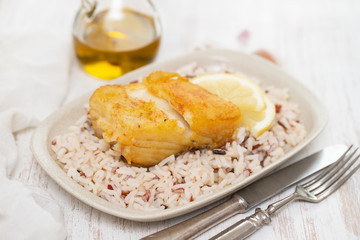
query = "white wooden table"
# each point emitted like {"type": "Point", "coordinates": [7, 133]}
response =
{"type": "Point", "coordinates": [315, 41]}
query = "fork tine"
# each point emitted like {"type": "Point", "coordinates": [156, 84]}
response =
{"type": "Point", "coordinates": [329, 169]}
{"type": "Point", "coordinates": [335, 177]}
{"type": "Point", "coordinates": [334, 187]}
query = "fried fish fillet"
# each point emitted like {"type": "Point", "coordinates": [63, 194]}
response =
{"type": "Point", "coordinates": [207, 114]}
{"type": "Point", "coordinates": [163, 116]}
{"type": "Point", "coordinates": [143, 133]}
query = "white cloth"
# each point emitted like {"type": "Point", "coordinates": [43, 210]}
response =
{"type": "Point", "coordinates": [35, 55]}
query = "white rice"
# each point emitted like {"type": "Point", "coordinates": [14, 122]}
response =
{"type": "Point", "coordinates": [176, 180]}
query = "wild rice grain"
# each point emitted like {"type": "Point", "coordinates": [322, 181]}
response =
{"type": "Point", "coordinates": [219, 151]}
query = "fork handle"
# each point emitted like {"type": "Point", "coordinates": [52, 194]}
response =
{"type": "Point", "coordinates": [245, 227]}
{"type": "Point", "coordinates": [251, 224]}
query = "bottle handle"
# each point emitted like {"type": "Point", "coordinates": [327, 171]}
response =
{"type": "Point", "coordinates": [89, 7]}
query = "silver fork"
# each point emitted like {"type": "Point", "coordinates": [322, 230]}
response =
{"type": "Point", "coordinates": [314, 191]}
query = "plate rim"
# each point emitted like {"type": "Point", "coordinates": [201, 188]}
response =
{"type": "Point", "coordinates": [43, 157]}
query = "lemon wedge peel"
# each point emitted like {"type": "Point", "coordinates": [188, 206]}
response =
{"type": "Point", "coordinates": [268, 115]}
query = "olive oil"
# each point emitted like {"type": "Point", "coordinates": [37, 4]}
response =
{"type": "Point", "coordinates": [117, 41]}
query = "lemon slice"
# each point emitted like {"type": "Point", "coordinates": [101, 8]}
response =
{"type": "Point", "coordinates": [257, 109]}
{"type": "Point", "coordinates": [237, 89]}
{"type": "Point", "coordinates": [259, 121]}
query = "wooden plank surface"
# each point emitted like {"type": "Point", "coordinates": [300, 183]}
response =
{"type": "Point", "coordinates": [315, 41]}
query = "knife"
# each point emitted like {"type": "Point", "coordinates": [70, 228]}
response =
{"type": "Point", "coordinates": [252, 195]}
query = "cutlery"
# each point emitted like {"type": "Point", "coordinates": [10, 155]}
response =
{"type": "Point", "coordinates": [252, 195]}
{"type": "Point", "coordinates": [315, 190]}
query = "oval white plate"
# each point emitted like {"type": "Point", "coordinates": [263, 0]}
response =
{"type": "Point", "coordinates": [313, 116]}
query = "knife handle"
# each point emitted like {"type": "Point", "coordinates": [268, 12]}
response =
{"type": "Point", "coordinates": [244, 227]}
{"type": "Point", "coordinates": [193, 227]}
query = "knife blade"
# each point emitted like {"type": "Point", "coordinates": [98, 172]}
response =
{"type": "Point", "coordinates": [252, 195]}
